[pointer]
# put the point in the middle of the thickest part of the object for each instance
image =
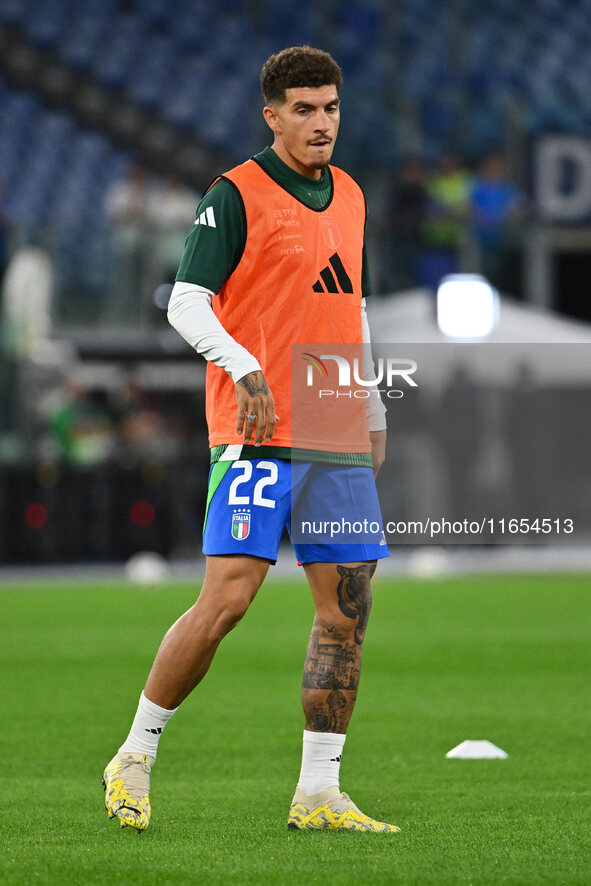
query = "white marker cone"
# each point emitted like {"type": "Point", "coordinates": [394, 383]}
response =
{"type": "Point", "coordinates": [477, 750]}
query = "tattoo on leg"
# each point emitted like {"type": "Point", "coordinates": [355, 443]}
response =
{"type": "Point", "coordinates": [354, 593]}
{"type": "Point", "coordinates": [335, 703]}
{"type": "Point", "coordinates": [331, 678]}
{"type": "Point", "coordinates": [331, 665]}
{"type": "Point", "coordinates": [329, 712]}
{"type": "Point", "coordinates": [320, 721]}
{"type": "Point", "coordinates": [333, 657]}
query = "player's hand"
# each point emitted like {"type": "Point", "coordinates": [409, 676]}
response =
{"type": "Point", "coordinates": [255, 399]}
{"type": "Point", "coordinates": [378, 449]}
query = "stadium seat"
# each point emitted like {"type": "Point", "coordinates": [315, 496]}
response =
{"type": "Point", "coordinates": [186, 59]}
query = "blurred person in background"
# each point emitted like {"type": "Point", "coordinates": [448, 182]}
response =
{"type": "Point", "coordinates": [497, 211]}
{"type": "Point", "coordinates": [27, 291]}
{"type": "Point", "coordinates": [5, 230]}
{"type": "Point", "coordinates": [129, 206]}
{"type": "Point", "coordinates": [143, 428]}
{"type": "Point", "coordinates": [172, 213]}
{"type": "Point", "coordinates": [459, 432]}
{"type": "Point", "coordinates": [276, 255]}
{"type": "Point", "coordinates": [527, 427]}
{"type": "Point", "coordinates": [8, 334]}
{"type": "Point", "coordinates": [80, 425]}
{"type": "Point", "coordinates": [409, 211]}
{"type": "Point", "coordinates": [445, 228]}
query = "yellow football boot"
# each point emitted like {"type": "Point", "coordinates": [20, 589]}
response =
{"type": "Point", "coordinates": [333, 810]}
{"type": "Point", "coordinates": [126, 781]}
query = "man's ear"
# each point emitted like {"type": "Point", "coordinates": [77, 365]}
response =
{"type": "Point", "coordinates": [271, 118]}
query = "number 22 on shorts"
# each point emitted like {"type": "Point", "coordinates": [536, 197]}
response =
{"type": "Point", "coordinates": [269, 478]}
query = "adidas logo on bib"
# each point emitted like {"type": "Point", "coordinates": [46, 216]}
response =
{"type": "Point", "coordinates": [335, 269]}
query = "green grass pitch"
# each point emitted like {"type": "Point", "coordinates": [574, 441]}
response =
{"type": "Point", "coordinates": [506, 658]}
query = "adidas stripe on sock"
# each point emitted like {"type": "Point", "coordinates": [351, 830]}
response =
{"type": "Point", "coordinates": [146, 729]}
{"type": "Point", "coordinates": [321, 761]}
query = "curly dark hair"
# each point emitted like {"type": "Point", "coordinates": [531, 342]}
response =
{"type": "Point", "coordinates": [295, 67]}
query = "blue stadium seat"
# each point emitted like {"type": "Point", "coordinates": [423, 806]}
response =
{"type": "Point", "coordinates": [197, 63]}
{"type": "Point", "coordinates": [113, 65]}
{"type": "Point", "coordinates": [151, 72]}
{"type": "Point", "coordinates": [82, 45]}
{"type": "Point", "coordinates": [14, 12]}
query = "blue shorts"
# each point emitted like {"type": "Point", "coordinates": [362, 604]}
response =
{"type": "Point", "coordinates": [331, 511]}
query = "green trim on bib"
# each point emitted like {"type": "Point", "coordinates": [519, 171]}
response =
{"type": "Point", "coordinates": [355, 459]}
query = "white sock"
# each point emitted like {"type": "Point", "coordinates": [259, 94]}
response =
{"type": "Point", "coordinates": [146, 729]}
{"type": "Point", "coordinates": [321, 761]}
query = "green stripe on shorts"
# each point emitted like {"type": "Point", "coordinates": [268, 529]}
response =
{"type": "Point", "coordinates": [218, 472]}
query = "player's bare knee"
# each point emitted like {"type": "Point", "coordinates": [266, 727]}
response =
{"type": "Point", "coordinates": [334, 627]}
{"type": "Point", "coordinates": [344, 614]}
{"type": "Point", "coordinates": [232, 606]}
{"type": "Point", "coordinates": [227, 620]}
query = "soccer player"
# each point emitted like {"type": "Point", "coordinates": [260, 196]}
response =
{"type": "Point", "coordinates": [276, 256]}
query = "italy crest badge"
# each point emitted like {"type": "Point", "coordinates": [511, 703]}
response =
{"type": "Point", "coordinates": [240, 524]}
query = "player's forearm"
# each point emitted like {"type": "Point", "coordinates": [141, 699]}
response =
{"type": "Point", "coordinates": [191, 314]}
{"type": "Point", "coordinates": [375, 409]}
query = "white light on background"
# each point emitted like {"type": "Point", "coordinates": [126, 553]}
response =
{"type": "Point", "coordinates": [467, 306]}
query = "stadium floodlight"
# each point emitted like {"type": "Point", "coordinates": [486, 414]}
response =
{"type": "Point", "coordinates": [467, 306]}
